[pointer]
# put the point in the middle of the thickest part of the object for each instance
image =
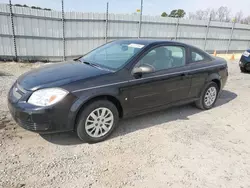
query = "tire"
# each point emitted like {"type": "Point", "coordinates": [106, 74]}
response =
{"type": "Point", "coordinates": [87, 126]}
{"type": "Point", "coordinates": [247, 67]}
{"type": "Point", "coordinates": [201, 102]}
{"type": "Point", "coordinates": [242, 69]}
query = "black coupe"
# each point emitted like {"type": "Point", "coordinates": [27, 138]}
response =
{"type": "Point", "coordinates": [120, 79]}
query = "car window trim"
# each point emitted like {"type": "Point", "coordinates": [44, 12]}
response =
{"type": "Point", "coordinates": [201, 61]}
{"type": "Point", "coordinates": [164, 70]}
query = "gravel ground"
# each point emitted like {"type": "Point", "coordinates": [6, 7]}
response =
{"type": "Point", "coordinates": [178, 147]}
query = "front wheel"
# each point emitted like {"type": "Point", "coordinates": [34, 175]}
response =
{"type": "Point", "coordinates": [208, 96]}
{"type": "Point", "coordinates": [97, 121]}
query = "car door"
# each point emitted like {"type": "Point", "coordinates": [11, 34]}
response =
{"type": "Point", "coordinates": [196, 62]}
{"type": "Point", "coordinates": [167, 84]}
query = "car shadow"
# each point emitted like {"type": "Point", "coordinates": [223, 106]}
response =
{"type": "Point", "coordinates": [127, 126]}
{"type": "Point", "coordinates": [4, 74]}
{"type": "Point", "coordinates": [67, 138]}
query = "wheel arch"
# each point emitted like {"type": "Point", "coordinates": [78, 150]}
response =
{"type": "Point", "coordinates": [216, 78]}
{"type": "Point", "coordinates": [107, 97]}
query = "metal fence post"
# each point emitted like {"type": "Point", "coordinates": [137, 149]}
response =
{"type": "Point", "coordinates": [207, 31]}
{"type": "Point", "coordinates": [107, 18]}
{"type": "Point", "coordinates": [140, 22]}
{"type": "Point", "coordinates": [63, 31]}
{"type": "Point", "coordinates": [177, 27]}
{"type": "Point", "coordinates": [13, 30]}
{"type": "Point", "coordinates": [229, 42]}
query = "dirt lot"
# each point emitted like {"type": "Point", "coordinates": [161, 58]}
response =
{"type": "Point", "coordinates": [178, 147]}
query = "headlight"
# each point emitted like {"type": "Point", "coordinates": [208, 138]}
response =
{"type": "Point", "coordinates": [47, 97]}
{"type": "Point", "coordinates": [246, 54]}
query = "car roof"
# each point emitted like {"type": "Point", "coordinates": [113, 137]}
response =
{"type": "Point", "coordinates": [150, 41]}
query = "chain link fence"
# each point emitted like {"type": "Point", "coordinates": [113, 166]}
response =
{"type": "Point", "coordinates": [47, 35]}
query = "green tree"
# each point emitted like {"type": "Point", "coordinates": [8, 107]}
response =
{"type": "Point", "coordinates": [34, 7]}
{"type": "Point", "coordinates": [179, 13]}
{"type": "Point", "coordinates": [164, 14]}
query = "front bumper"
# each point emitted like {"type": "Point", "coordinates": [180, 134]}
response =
{"type": "Point", "coordinates": [56, 118]}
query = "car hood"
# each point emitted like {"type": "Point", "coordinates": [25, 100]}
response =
{"type": "Point", "coordinates": [58, 74]}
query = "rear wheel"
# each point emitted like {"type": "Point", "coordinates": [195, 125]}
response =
{"type": "Point", "coordinates": [208, 96]}
{"type": "Point", "coordinates": [247, 67]}
{"type": "Point", "coordinates": [242, 69]}
{"type": "Point", "coordinates": [97, 121]}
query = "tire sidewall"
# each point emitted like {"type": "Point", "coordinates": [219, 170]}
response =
{"type": "Point", "coordinates": [81, 131]}
{"type": "Point", "coordinates": [212, 84]}
{"type": "Point", "coordinates": [247, 67]}
{"type": "Point", "coordinates": [242, 69]}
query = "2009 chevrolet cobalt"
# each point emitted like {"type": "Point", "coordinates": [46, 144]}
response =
{"type": "Point", "coordinates": [119, 79]}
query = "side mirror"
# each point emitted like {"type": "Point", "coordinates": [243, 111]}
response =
{"type": "Point", "coordinates": [142, 70]}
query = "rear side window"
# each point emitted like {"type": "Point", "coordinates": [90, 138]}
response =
{"type": "Point", "coordinates": [198, 56]}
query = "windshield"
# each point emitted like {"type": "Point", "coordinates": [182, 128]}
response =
{"type": "Point", "coordinates": [113, 55]}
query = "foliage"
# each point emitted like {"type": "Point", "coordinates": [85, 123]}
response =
{"type": "Point", "coordinates": [164, 14]}
{"type": "Point", "coordinates": [34, 7]}
{"type": "Point", "coordinates": [246, 20]}
{"type": "Point", "coordinates": [179, 13]}
{"type": "Point", "coordinates": [222, 14]}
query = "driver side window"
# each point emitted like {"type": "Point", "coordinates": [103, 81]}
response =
{"type": "Point", "coordinates": [164, 57]}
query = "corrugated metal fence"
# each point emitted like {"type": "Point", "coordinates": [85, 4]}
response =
{"type": "Point", "coordinates": [32, 34]}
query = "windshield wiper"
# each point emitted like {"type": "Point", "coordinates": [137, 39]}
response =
{"type": "Point", "coordinates": [91, 64]}
{"type": "Point", "coordinates": [96, 66]}
{"type": "Point", "coordinates": [78, 58]}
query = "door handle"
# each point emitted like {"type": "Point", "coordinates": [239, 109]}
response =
{"type": "Point", "coordinates": [186, 75]}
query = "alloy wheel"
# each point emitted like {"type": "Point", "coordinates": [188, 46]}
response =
{"type": "Point", "coordinates": [99, 122]}
{"type": "Point", "coordinates": [210, 96]}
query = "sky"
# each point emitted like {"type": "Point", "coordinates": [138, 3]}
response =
{"type": "Point", "coordinates": [151, 7]}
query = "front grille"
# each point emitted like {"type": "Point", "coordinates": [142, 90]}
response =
{"type": "Point", "coordinates": [30, 125]}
